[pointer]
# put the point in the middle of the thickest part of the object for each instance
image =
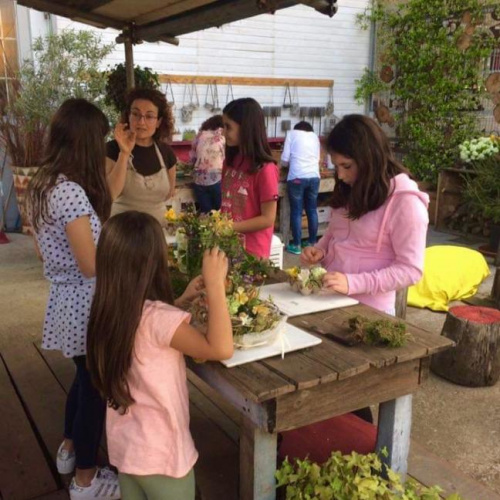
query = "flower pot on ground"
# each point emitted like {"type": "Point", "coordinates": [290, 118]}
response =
{"type": "Point", "coordinates": [22, 177]}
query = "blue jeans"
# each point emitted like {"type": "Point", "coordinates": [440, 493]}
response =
{"type": "Point", "coordinates": [85, 411]}
{"type": "Point", "coordinates": [208, 197]}
{"type": "Point", "coordinates": [303, 193]}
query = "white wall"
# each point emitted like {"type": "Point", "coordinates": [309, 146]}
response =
{"type": "Point", "coordinates": [297, 42]}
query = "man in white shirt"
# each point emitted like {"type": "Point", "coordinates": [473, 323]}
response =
{"type": "Point", "coordinates": [301, 154]}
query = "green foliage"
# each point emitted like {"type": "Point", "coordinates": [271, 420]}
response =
{"type": "Point", "coordinates": [437, 80]}
{"type": "Point", "coordinates": [379, 332]}
{"type": "Point", "coordinates": [116, 87]}
{"type": "Point", "coordinates": [483, 189]}
{"type": "Point", "coordinates": [349, 477]}
{"type": "Point", "coordinates": [64, 65]}
{"type": "Point", "coordinates": [368, 85]}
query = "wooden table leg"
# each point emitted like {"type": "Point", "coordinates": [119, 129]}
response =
{"type": "Point", "coordinates": [394, 426]}
{"type": "Point", "coordinates": [257, 463]}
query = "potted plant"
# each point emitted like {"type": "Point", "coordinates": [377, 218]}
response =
{"type": "Point", "coordinates": [116, 86]}
{"type": "Point", "coordinates": [344, 477]}
{"type": "Point", "coordinates": [64, 65]}
{"type": "Point", "coordinates": [188, 134]}
{"type": "Point", "coordinates": [483, 193]}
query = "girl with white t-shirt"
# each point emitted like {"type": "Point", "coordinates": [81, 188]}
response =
{"type": "Point", "coordinates": [137, 338]}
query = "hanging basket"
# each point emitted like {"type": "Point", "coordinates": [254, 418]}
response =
{"type": "Point", "coordinates": [22, 177]}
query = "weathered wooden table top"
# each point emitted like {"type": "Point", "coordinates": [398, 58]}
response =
{"type": "Point", "coordinates": [329, 361]}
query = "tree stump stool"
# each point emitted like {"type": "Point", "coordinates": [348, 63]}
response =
{"type": "Point", "coordinates": [475, 361]}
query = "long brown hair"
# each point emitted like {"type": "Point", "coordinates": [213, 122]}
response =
{"type": "Point", "coordinates": [248, 114]}
{"type": "Point", "coordinates": [131, 267]}
{"type": "Point", "coordinates": [361, 139]}
{"type": "Point", "coordinates": [164, 132]}
{"type": "Point", "coordinates": [75, 148]}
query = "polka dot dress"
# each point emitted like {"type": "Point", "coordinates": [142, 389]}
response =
{"type": "Point", "coordinates": [70, 296]}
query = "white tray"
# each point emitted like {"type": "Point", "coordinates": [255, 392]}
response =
{"type": "Point", "coordinates": [295, 339]}
{"type": "Point", "coordinates": [295, 304]}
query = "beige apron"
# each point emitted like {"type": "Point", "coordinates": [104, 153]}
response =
{"type": "Point", "coordinates": [144, 193]}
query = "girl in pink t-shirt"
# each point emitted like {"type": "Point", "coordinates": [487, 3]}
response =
{"type": "Point", "coordinates": [249, 176]}
{"type": "Point", "coordinates": [137, 338]}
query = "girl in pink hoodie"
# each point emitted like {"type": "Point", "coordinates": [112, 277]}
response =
{"type": "Point", "coordinates": [375, 241]}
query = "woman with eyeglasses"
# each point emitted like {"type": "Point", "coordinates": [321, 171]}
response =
{"type": "Point", "coordinates": [144, 178]}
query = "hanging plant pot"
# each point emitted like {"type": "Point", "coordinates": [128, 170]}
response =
{"type": "Point", "coordinates": [464, 42]}
{"type": "Point", "coordinates": [383, 114]}
{"type": "Point", "coordinates": [22, 177]}
{"type": "Point", "coordinates": [492, 83]}
{"type": "Point", "coordinates": [496, 113]}
{"type": "Point", "coordinates": [386, 74]}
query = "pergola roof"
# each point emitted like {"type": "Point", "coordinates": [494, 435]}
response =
{"type": "Point", "coordinates": [164, 20]}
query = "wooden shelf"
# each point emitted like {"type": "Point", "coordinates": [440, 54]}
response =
{"type": "Point", "coordinates": [244, 80]}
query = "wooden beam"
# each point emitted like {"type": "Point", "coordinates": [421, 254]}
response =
{"type": "Point", "coordinates": [245, 80]}
{"type": "Point", "coordinates": [73, 13]}
{"type": "Point", "coordinates": [208, 16]}
{"type": "Point", "coordinates": [129, 63]}
{"type": "Point", "coordinates": [172, 9]}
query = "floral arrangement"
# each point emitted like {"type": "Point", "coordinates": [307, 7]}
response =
{"type": "Point", "coordinates": [306, 281]}
{"type": "Point", "coordinates": [255, 321]}
{"type": "Point", "coordinates": [479, 149]}
{"type": "Point", "coordinates": [197, 232]}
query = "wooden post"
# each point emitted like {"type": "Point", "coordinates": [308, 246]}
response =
{"type": "Point", "coordinates": [394, 426]}
{"type": "Point", "coordinates": [495, 289]}
{"type": "Point", "coordinates": [257, 462]}
{"type": "Point", "coordinates": [401, 300]}
{"type": "Point", "coordinates": [129, 62]}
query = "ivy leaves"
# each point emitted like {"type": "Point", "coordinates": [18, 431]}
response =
{"type": "Point", "coordinates": [437, 50]}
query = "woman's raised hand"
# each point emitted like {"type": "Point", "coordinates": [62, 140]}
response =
{"type": "Point", "coordinates": [311, 256]}
{"type": "Point", "coordinates": [125, 138]}
{"type": "Point", "coordinates": [214, 268]}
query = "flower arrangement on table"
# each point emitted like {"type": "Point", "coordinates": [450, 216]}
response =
{"type": "Point", "coordinates": [479, 149]}
{"type": "Point", "coordinates": [255, 321]}
{"type": "Point", "coordinates": [306, 281]}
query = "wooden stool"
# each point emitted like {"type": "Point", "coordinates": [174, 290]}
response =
{"type": "Point", "coordinates": [475, 361]}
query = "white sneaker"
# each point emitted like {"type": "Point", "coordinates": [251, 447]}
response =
{"type": "Point", "coordinates": [104, 485]}
{"type": "Point", "coordinates": [65, 460]}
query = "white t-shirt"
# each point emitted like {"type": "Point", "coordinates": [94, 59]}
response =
{"type": "Point", "coordinates": [301, 151]}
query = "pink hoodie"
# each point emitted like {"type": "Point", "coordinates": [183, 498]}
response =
{"type": "Point", "coordinates": [383, 251]}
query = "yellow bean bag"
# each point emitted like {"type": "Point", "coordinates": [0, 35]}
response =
{"type": "Point", "coordinates": [450, 273]}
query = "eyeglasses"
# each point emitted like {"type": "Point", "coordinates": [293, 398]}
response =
{"type": "Point", "coordinates": [136, 116]}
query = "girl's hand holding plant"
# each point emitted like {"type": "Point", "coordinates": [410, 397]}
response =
{"type": "Point", "coordinates": [336, 282]}
{"type": "Point", "coordinates": [125, 138]}
{"type": "Point", "coordinates": [214, 268]}
{"type": "Point", "coordinates": [311, 256]}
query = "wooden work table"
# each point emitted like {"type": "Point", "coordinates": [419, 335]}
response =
{"type": "Point", "coordinates": [318, 383]}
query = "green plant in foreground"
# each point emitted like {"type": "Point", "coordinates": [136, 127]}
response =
{"type": "Point", "coordinates": [349, 477]}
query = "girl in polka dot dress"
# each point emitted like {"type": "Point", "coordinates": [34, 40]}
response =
{"type": "Point", "coordinates": [69, 199]}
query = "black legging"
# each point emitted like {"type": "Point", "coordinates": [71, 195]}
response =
{"type": "Point", "coordinates": [85, 410]}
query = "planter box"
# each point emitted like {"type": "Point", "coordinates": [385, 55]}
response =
{"type": "Point", "coordinates": [451, 185]}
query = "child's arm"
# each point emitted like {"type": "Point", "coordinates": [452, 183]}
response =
{"type": "Point", "coordinates": [264, 220]}
{"type": "Point", "coordinates": [218, 343]}
{"type": "Point", "coordinates": [82, 245]}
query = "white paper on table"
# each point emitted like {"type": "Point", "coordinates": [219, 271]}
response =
{"type": "Point", "coordinates": [295, 339]}
{"type": "Point", "coordinates": [295, 304]}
